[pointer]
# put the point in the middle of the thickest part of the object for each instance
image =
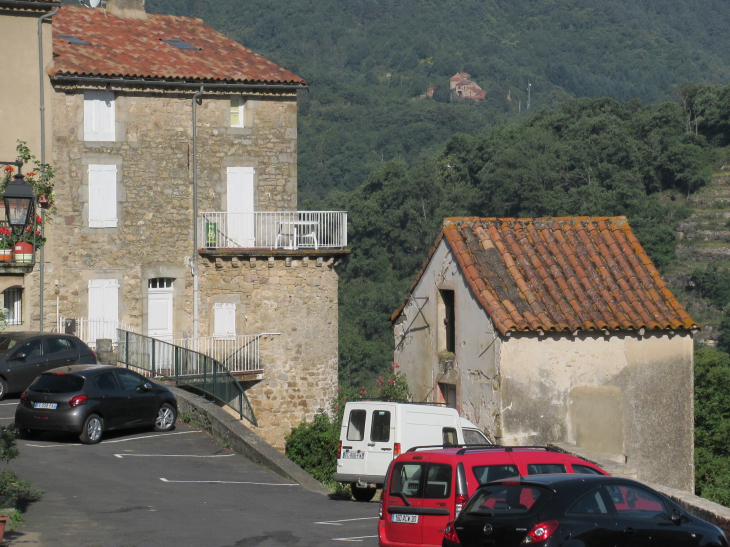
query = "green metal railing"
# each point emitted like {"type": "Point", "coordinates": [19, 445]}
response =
{"type": "Point", "coordinates": [191, 368]}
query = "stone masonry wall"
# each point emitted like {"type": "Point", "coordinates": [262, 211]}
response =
{"type": "Point", "coordinates": [297, 297]}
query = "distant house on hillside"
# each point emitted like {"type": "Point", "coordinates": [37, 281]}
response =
{"type": "Point", "coordinates": [554, 329]}
{"type": "Point", "coordinates": [464, 88]}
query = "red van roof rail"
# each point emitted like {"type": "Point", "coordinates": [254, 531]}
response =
{"type": "Point", "coordinates": [462, 446]}
{"type": "Point", "coordinates": [506, 448]}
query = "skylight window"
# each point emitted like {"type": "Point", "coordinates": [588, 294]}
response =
{"type": "Point", "coordinates": [73, 40]}
{"type": "Point", "coordinates": [179, 44]}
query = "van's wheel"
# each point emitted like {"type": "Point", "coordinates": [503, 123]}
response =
{"type": "Point", "coordinates": [363, 494]}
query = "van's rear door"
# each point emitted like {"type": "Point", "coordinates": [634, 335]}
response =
{"type": "Point", "coordinates": [352, 461]}
{"type": "Point", "coordinates": [380, 437]}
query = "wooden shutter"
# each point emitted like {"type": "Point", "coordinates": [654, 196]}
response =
{"type": "Point", "coordinates": [240, 201]}
{"type": "Point", "coordinates": [225, 320]}
{"type": "Point", "coordinates": [99, 116]}
{"type": "Point", "coordinates": [102, 196]}
{"type": "Point", "coordinates": [91, 114]}
{"type": "Point", "coordinates": [103, 308]}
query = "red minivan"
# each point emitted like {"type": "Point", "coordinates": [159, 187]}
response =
{"type": "Point", "coordinates": [426, 489]}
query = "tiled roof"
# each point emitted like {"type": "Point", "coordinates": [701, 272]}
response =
{"type": "Point", "coordinates": [133, 48]}
{"type": "Point", "coordinates": [561, 274]}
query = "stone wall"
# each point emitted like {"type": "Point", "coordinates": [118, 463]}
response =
{"type": "Point", "coordinates": [297, 297]}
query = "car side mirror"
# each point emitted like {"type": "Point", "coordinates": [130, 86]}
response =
{"type": "Point", "coordinates": [677, 516]}
{"type": "Point", "coordinates": [144, 387]}
{"type": "Point", "coordinates": [19, 357]}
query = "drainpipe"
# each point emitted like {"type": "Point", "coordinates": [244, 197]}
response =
{"type": "Point", "coordinates": [43, 143]}
{"type": "Point", "coordinates": [195, 213]}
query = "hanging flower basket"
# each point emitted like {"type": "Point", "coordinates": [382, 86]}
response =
{"type": "Point", "coordinates": [44, 201]}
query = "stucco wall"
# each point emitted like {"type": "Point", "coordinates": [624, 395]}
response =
{"type": "Point", "coordinates": [475, 369]}
{"type": "Point", "coordinates": [297, 298]}
{"type": "Point", "coordinates": [624, 396]}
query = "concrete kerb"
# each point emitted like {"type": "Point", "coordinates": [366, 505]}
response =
{"type": "Point", "coordinates": [717, 514]}
{"type": "Point", "coordinates": [242, 440]}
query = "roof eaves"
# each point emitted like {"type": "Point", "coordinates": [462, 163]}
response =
{"type": "Point", "coordinates": [30, 5]}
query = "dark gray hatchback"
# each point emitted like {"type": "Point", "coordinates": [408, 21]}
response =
{"type": "Point", "coordinates": [91, 399]}
{"type": "Point", "coordinates": [25, 355]}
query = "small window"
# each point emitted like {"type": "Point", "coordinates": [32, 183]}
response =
{"type": "Point", "coordinates": [99, 116]}
{"type": "Point", "coordinates": [129, 380]}
{"type": "Point", "coordinates": [438, 481]}
{"type": "Point", "coordinates": [356, 426]}
{"type": "Point", "coordinates": [56, 345]}
{"type": "Point", "coordinates": [590, 504]}
{"type": "Point", "coordinates": [407, 479]}
{"type": "Point", "coordinates": [160, 283]}
{"type": "Point", "coordinates": [13, 302]}
{"type": "Point", "coordinates": [237, 112]}
{"type": "Point", "coordinates": [634, 502]}
{"type": "Point", "coordinates": [179, 44]}
{"type": "Point", "coordinates": [449, 436]}
{"type": "Point", "coordinates": [31, 349]}
{"type": "Point", "coordinates": [58, 383]}
{"type": "Point", "coordinates": [105, 381]}
{"type": "Point", "coordinates": [545, 468]}
{"type": "Point", "coordinates": [102, 196]}
{"type": "Point", "coordinates": [474, 436]}
{"type": "Point", "coordinates": [380, 430]}
{"type": "Point", "coordinates": [447, 321]}
{"type": "Point", "coordinates": [585, 470]}
{"type": "Point", "coordinates": [488, 473]}
{"type": "Point", "coordinates": [448, 394]}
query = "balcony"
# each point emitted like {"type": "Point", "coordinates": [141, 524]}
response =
{"type": "Point", "coordinates": [273, 230]}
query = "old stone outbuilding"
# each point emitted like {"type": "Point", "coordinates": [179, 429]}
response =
{"type": "Point", "coordinates": [554, 329]}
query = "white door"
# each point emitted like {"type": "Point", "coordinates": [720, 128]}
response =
{"type": "Point", "coordinates": [159, 309]}
{"type": "Point", "coordinates": [103, 310]}
{"type": "Point", "coordinates": [380, 436]}
{"type": "Point", "coordinates": [240, 200]}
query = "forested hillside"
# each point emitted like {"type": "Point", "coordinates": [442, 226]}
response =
{"type": "Point", "coordinates": [366, 61]}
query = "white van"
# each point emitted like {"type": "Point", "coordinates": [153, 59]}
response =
{"type": "Point", "coordinates": [373, 433]}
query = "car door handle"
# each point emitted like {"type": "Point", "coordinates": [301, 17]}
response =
{"type": "Point", "coordinates": [386, 449]}
{"type": "Point", "coordinates": [371, 444]}
{"type": "Point", "coordinates": [630, 532]}
{"type": "Point", "coordinates": [105, 396]}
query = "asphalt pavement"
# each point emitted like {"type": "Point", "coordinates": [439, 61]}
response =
{"type": "Point", "coordinates": [140, 488]}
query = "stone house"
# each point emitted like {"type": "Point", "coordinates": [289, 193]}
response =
{"type": "Point", "coordinates": [122, 249]}
{"type": "Point", "coordinates": [554, 329]}
{"type": "Point", "coordinates": [464, 88]}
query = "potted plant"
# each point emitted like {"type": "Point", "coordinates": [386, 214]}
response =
{"type": "Point", "coordinates": [41, 179]}
{"type": "Point", "coordinates": [7, 242]}
{"type": "Point", "coordinates": [24, 243]}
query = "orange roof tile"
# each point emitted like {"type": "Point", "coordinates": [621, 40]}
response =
{"type": "Point", "coordinates": [134, 48]}
{"type": "Point", "coordinates": [560, 274]}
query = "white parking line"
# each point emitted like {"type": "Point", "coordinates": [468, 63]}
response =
{"type": "Point", "coordinates": [11, 418]}
{"type": "Point", "coordinates": [357, 538]}
{"type": "Point", "coordinates": [9, 404]}
{"type": "Point", "coordinates": [233, 482]}
{"type": "Point", "coordinates": [337, 522]}
{"type": "Point", "coordinates": [57, 445]}
{"type": "Point", "coordinates": [120, 456]}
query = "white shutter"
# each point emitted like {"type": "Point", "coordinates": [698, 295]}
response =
{"type": "Point", "coordinates": [99, 116]}
{"type": "Point", "coordinates": [240, 207]}
{"type": "Point", "coordinates": [103, 309]}
{"type": "Point", "coordinates": [225, 321]}
{"type": "Point", "coordinates": [102, 196]}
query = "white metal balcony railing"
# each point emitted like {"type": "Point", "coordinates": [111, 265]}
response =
{"type": "Point", "coordinates": [90, 330]}
{"type": "Point", "coordinates": [273, 230]}
{"type": "Point", "coordinates": [241, 353]}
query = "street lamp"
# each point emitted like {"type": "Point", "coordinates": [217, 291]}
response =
{"type": "Point", "coordinates": [19, 203]}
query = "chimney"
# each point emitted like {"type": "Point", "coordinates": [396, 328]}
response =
{"type": "Point", "coordinates": [127, 9]}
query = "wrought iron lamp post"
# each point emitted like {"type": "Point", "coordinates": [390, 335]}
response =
{"type": "Point", "coordinates": [19, 201]}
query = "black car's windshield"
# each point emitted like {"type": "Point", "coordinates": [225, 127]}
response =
{"type": "Point", "coordinates": [7, 343]}
{"type": "Point", "coordinates": [58, 383]}
{"type": "Point", "coordinates": [508, 499]}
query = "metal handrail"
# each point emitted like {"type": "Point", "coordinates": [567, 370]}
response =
{"type": "Point", "coordinates": [190, 368]}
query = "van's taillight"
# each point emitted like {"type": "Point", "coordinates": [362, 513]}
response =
{"type": "Point", "coordinates": [450, 533]}
{"type": "Point", "coordinates": [24, 400]}
{"type": "Point", "coordinates": [459, 504]}
{"type": "Point", "coordinates": [541, 532]}
{"type": "Point", "coordinates": [380, 511]}
{"type": "Point", "coordinates": [78, 400]}
{"type": "Point", "coordinates": [396, 449]}
{"type": "Point", "coordinates": [339, 450]}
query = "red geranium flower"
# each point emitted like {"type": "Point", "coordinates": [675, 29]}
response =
{"type": "Point", "coordinates": [9, 169]}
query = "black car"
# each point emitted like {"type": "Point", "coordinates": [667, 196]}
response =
{"type": "Point", "coordinates": [25, 355]}
{"type": "Point", "coordinates": [576, 511]}
{"type": "Point", "coordinates": [91, 399]}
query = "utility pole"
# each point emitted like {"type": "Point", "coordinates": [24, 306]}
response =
{"type": "Point", "coordinates": [529, 89]}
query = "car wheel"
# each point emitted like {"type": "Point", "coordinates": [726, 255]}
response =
{"type": "Point", "coordinates": [166, 416]}
{"type": "Point", "coordinates": [93, 428]}
{"type": "Point", "coordinates": [363, 494]}
{"type": "Point", "coordinates": [3, 388]}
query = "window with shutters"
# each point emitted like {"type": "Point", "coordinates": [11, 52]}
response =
{"type": "Point", "coordinates": [102, 196]}
{"type": "Point", "coordinates": [237, 112]}
{"type": "Point", "coordinates": [99, 116]}
{"type": "Point", "coordinates": [103, 308]}
{"type": "Point", "coordinates": [225, 321]}
{"type": "Point", "coordinates": [13, 302]}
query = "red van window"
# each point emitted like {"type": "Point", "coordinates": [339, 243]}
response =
{"type": "Point", "coordinates": [545, 468]}
{"type": "Point", "coordinates": [585, 470]}
{"type": "Point", "coordinates": [438, 481]}
{"type": "Point", "coordinates": [407, 479]}
{"type": "Point", "coordinates": [488, 473]}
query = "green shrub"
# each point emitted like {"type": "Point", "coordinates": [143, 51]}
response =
{"type": "Point", "coordinates": [313, 446]}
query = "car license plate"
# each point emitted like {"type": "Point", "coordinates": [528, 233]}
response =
{"type": "Point", "coordinates": [353, 456]}
{"type": "Point", "coordinates": [51, 406]}
{"type": "Point", "coordinates": [405, 519]}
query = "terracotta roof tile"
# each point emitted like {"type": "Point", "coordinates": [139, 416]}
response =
{"type": "Point", "coordinates": [561, 274]}
{"type": "Point", "coordinates": [134, 48]}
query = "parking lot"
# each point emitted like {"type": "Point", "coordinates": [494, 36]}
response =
{"type": "Point", "coordinates": [140, 488]}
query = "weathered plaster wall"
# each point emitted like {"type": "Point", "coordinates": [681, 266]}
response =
{"type": "Point", "coordinates": [475, 369]}
{"type": "Point", "coordinates": [297, 298]}
{"type": "Point", "coordinates": [625, 396]}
